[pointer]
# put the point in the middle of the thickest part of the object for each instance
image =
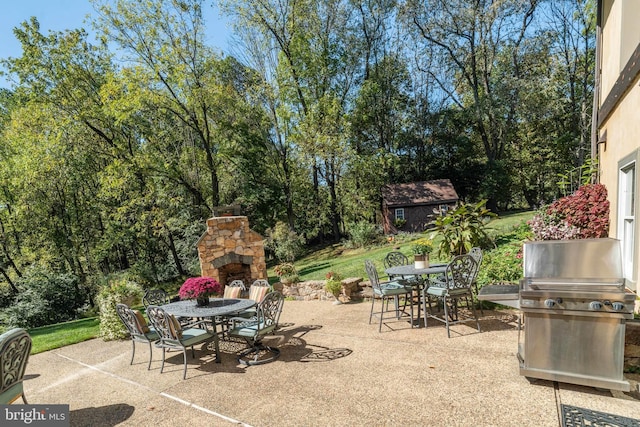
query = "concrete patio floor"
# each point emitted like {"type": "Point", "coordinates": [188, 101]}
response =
{"type": "Point", "coordinates": [335, 370]}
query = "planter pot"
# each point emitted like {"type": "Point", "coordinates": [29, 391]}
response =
{"type": "Point", "coordinates": [202, 301]}
{"type": "Point", "coordinates": [421, 261]}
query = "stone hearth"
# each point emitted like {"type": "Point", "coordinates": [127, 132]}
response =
{"type": "Point", "coordinates": [230, 250]}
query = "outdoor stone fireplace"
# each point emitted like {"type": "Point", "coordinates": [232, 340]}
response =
{"type": "Point", "coordinates": [230, 250]}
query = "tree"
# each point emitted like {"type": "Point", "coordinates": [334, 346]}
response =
{"type": "Point", "coordinates": [481, 45]}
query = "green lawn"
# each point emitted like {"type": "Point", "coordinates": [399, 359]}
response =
{"type": "Point", "coordinates": [61, 334]}
{"type": "Point", "coordinates": [350, 262]}
{"type": "Point", "coordinates": [346, 262]}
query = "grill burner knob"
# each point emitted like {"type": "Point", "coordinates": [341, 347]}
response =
{"type": "Point", "coordinates": [618, 306]}
{"type": "Point", "coordinates": [549, 303]}
{"type": "Point", "coordinates": [595, 305]}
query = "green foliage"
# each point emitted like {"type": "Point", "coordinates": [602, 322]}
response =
{"type": "Point", "coordinates": [285, 243]}
{"type": "Point", "coordinates": [287, 272]}
{"type": "Point", "coordinates": [399, 222]}
{"type": "Point", "coordinates": [119, 290]}
{"type": "Point", "coordinates": [582, 175]}
{"type": "Point", "coordinates": [501, 265]}
{"type": "Point", "coordinates": [47, 298]}
{"type": "Point", "coordinates": [504, 263]}
{"type": "Point", "coordinates": [333, 284]}
{"type": "Point", "coordinates": [462, 228]}
{"type": "Point", "coordinates": [362, 234]}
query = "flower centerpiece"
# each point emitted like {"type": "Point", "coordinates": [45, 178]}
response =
{"type": "Point", "coordinates": [421, 250]}
{"type": "Point", "coordinates": [200, 289]}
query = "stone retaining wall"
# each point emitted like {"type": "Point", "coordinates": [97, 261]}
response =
{"type": "Point", "coordinates": [352, 288]}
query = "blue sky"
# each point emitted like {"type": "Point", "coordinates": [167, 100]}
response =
{"type": "Point", "coordinates": [57, 15]}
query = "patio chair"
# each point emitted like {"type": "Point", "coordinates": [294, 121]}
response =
{"type": "Point", "coordinates": [476, 254]}
{"type": "Point", "coordinates": [257, 292]}
{"type": "Point", "coordinates": [458, 281]}
{"type": "Point", "coordinates": [234, 289]}
{"type": "Point", "coordinates": [393, 259]}
{"type": "Point", "coordinates": [386, 291]}
{"type": "Point", "coordinates": [155, 297]}
{"type": "Point", "coordinates": [254, 329]}
{"type": "Point", "coordinates": [15, 346]}
{"type": "Point", "coordinates": [139, 330]}
{"type": "Point", "coordinates": [161, 297]}
{"type": "Point", "coordinates": [259, 289]}
{"type": "Point", "coordinates": [175, 337]}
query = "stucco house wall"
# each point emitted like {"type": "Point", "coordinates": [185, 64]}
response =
{"type": "Point", "coordinates": [617, 136]}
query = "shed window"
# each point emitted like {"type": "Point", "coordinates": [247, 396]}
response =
{"type": "Point", "coordinates": [400, 213]}
{"type": "Point", "coordinates": [444, 209]}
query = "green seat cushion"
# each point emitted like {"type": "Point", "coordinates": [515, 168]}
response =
{"type": "Point", "coordinates": [12, 393]}
{"type": "Point", "coordinates": [250, 331]}
{"type": "Point", "coordinates": [194, 336]}
{"type": "Point", "coordinates": [152, 335]}
{"type": "Point", "coordinates": [392, 288]}
{"type": "Point", "coordinates": [439, 292]}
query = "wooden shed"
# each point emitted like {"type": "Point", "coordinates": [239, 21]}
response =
{"type": "Point", "coordinates": [413, 206]}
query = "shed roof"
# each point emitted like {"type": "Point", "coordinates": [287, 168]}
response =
{"type": "Point", "coordinates": [419, 193]}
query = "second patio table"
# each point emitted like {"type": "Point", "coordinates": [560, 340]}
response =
{"type": "Point", "coordinates": [217, 307]}
{"type": "Point", "coordinates": [411, 270]}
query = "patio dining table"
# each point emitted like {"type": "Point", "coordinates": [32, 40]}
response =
{"type": "Point", "coordinates": [409, 270]}
{"type": "Point", "coordinates": [217, 308]}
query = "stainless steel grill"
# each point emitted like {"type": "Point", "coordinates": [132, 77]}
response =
{"type": "Point", "coordinates": [574, 304]}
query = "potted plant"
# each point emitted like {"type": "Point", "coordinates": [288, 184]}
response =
{"type": "Point", "coordinates": [333, 285]}
{"type": "Point", "coordinates": [200, 289]}
{"type": "Point", "coordinates": [421, 250]}
{"type": "Point", "coordinates": [287, 273]}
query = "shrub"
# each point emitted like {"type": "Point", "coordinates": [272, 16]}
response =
{"type": "Point", "coordinates": [587, 209]}
{"type": "Point", "coordinates": [287, 272]}
{"type": "Point", "coordinates": [581, 215]}
{"type": "Point", "coordinates": [549, 227]}
{"type": "Point", "coordinates": [285, 243]}
{"type": "Point", "coordinates": [462, 228]}
{"type": "Point", "coordinates": [333, 285]}
{"type": "Point", "coordinates": [503, 264]}
{"type": "Point", "coordinates": [47, 298]}
{"type": "Point", "coordinates": [118, 290]}
{"type": "Point", "coordinates": [362, 234]}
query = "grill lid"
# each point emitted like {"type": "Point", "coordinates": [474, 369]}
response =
{"type": "Point", "coordinates": [582, 261]}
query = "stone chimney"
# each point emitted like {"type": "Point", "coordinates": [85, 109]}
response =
{"type": "Point", "coordinates": [230, 250]}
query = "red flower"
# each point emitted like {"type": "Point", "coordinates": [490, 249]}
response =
{"type": "Point", "coordinates": [195, 287]}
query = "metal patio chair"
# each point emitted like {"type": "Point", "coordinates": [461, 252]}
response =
{"type": "Point", "coordinates": [139, 330]}
{"type": "Point", "coordinates": [174, 337]}
{"type": "Point", "coordinates": [393, 259]}
{"type": "Point", "coordinates": [476, 254]}
{"type": "Point", "coordinates": [234, 289]}
{"type": "Point", "coordinates": [385, 291]}
{"type": "Point", "coordinates": [155, 297]}
{"type": "Point", "coordinates": [457, 284]}
{"type": "Point", "coordinates": [15, 346]}
{"type": "Point", "coordinates": [396, 258]}
{"type": "Point", "coordinates": [254, 329]}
